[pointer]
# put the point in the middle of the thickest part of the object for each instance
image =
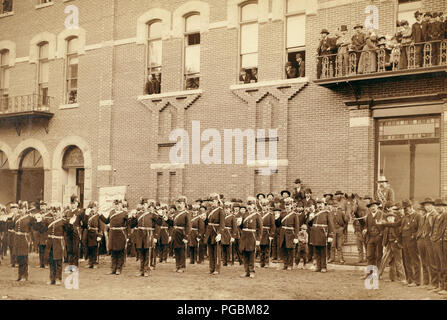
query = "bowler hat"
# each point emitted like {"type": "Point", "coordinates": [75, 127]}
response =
{"type": "Point", "coordinates": [382, 179]}
{"type": "Point", "coordinates": [435, 15]}
{"type": "Point", "coordinates": [373, 202]}
{"type": "Point", "coordinates": [440, 203]}
{"type": "Point", "coordinates": [406, 203]}
{"type": "Point", "coordinates": [389, 205]}
{"type": "Point", "coordinates": [428, 14]}
{"type": "Point", "coordinates": [308, 190]}
{"type": "Point", "coordinates": [260, 194]}
{"type": "Point", "coordinates": [277, 209]}
{"type": "Point", "coordinates": [339, 193]}
{"type": "Point", "coordinates": [417, 14]}
{"type": "Point", "coordinates": [328, 194]}
{"type": "Point", "coordinates": [428, 200]}
{"type": "Point", "coordinates": [324, 31]}
{"type": "Point", "coordinates": [344, 28]}
{"type": "Point", "coordinates": [285, 191]}
{"type": "Point", "coordinates": [358, 26]}
{"type": "Point", "coordinates": [297, 181]}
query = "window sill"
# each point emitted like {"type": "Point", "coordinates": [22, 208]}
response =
{"type": "Point", "coordinates": [69, 106]}
{"type": "Point", "coordinates": [169, 94]}
{"type": "Point", "coordinates": [7, 14]}
{"type": "Point", "coordinates": [269, 83]}
{"type": "Point", "coordinates": [44, 5]}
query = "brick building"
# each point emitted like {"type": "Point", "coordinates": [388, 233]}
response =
{"type": "Point", "coordinates": [74, 115]}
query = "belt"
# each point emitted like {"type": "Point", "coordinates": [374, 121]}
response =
{"type": "Point", "coordinates": [228, 228]}
{"type": "Point", "coordinates": [266, 227]}
{"type": "Point", "coordinates": [288, 228]}
{"type": "Point", "coordinates": [146, 228]}
{"type": "Point", "coordinates": [249, 230]}
{"type": "Point", "coordinates": [118, 228]}
{"type": "Point", "coordinates": [164, 227]}
{"type": "Point", "coordinates": [11, 230]}
{"type": "Point", "coordinates": [214, 224]}
{"type": "Point", "coordinates": [55, 237]}
{"type": "Point", "coordinates": [319, 225]}
{"type": "Point", "coordinates": [94, 229]}
{"type": "Point", "coordinates": [194, 229]}
{"type": "Point", "coordinates": [22, 233]}
{"type": "Point", "coordinates": [178, 227]}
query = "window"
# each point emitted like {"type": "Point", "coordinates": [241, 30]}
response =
{"type": "Point", "coordinates": [5, 6]}
{"type": "Point", "coordinates": [72, 71]}
{"type": "Point", "coordinates": [295, 38]}
{"type": "Point", "coordinates": [406, 10]}
{"type": "Point", "coordinates": [192, 52]}
{"type": "Point", "coordinates": [44, 1]}
{"type": "Point", "coordinates": [154, 58]}
{"type": "Point", "coordinates": [249, 42]}
{"type": "Point", "coordinates": [42, 74]}
{"type": "Point", "coordinates": [4, 79]}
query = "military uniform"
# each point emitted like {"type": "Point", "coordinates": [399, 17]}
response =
{"type": "Point", "coordinates": [92, 230]}
{"type": "Point", "coordinates": [181, 224]}
{"type": "Point", "coordinates": [3, 236]}
{"type": "Point", "coordinates": [197, 231]}
{"type": "Point", "coordinates": [163, 241]}
{"type": "Point", "coordinates": [251, 230]}
{"type": "Point", "coordinates": [144, 222]}
{"type": "Point", "coordinates": [321, 228]}
{"type": "Point", "coordinates": [72, 242]}
{"type": "Point", "coordinates": [227, 236]}
{"type": "Point", "coordinates": [268, 231]}
{"type": "Point", "coordinates": [41, 238]}
{"type": "Point", "coordinates": [341, 221]}
{"type": "Point", "coordinates": [55, 230]}
{"type": "Point", "coordinates": [289, 227]}
{"type": "Point", "coordinates": [237, 237]}
{"type": "Point", "coordinates": [117, 238]}
{"type": "Point", "coordinates": [10, 236]}
{"type": "Point", "coordinates": [215, 224]}
{"type": "Point", "coordinates": [23, 226]}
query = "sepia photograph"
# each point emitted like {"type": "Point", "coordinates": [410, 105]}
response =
{"type": "Point", "coordinates": [244, 152]}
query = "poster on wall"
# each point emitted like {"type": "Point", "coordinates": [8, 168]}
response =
{"type": "Point", "coordinates": [108, 194]}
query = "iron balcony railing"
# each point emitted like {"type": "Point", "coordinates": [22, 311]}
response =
{"type": "Point", "coordinates": [25, 104]}
{"type": "Point", "coordinates": [383, 60]}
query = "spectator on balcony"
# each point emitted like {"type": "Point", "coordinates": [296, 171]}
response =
{"type": "Point", "coordinates": [368, 57]}
{"type": "Point", "coordinates": [384, 65]}
{"type": "Point", "coordinates": [290, 70]}
{"type": "Point", "coordinates": [417, 37]}
{"type": "Point", "coordinates": [326, 47]}
{"type": "Point", "coordinates": [254, 75]}
{"type": "Point", "coordinates": [405, 41]}
{"type": "Point", "coordinates": [435, 33]}
{"type": "Point", "coordinates": [150, 85]}
{"type": "Point", "coordinates": [425, 26]}
{"type": "Point", "coordinates": [7, 6]}
{"type": "Point", "coordinates": [157, 86]}
{"type": "Point", "coordinates": [244, 77]}
{"type": "Point", "coordinates": [358, 41]}
{"type": "Point", "coordinates": [300, 65]}
{"type": "Point", "coordinates": [343, 43]}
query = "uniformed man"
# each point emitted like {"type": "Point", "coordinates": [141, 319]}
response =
{"type": "Point", "coordinates": [237, 236]}
{"type": "Point", "coordinates": [14, 211]}
{"type": "Point", "coordinates": [181, 224]}
{"type": "Point", "coordinates": [144, 223]}
{"type": "Point", "coordinates": [251, 229]}
{"type": "Point", "coordinates": [289, 227]}
{"type": "Point", "coordinates": [118, 221]}
{"type": "Point", "coordinates": [197, 232]}
{"type": "Point", "coordinates": [55, 227]}
{"type": "Point", "coordinates": [202, 245]}
{"type": "Point", "coordinates": [373, 235]}
{"type": "Point", "coordinates": [23, 225]}
{"type": "Point", "coordinates": [41, 237]}
{"type": "Point", "coordinates": [436, 242]}
{"type": "Point", "coordinates": [92, 233]}
{"type": "Point", "coordinates": [72, 243]}
{"type": "Point", "coordinates": [341, 220]}
{"type": "Point", "coordinates": [321, 232]}
{"type": "Point", "coordinates": [215, 226]}
{"type": "Point", "coordinates": [229, 232]}
{"type": "Point", "coordinates": [409, 229]}
{"type": "Point", "coordinates": [384, 191]}
{"type": "Point", "coordinates": [268, 231]}
{"type": "Point", "coordinates": [276, 250]}
{"type": "Point", "coordinates": [3, 232]}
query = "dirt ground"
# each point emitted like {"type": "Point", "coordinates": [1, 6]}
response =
{"type": "Point", "coordinates": [197, 284]}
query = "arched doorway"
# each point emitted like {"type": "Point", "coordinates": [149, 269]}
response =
{"type": "Point", "coordinates": [73, 174]}
{"type": "Point", "coordinates": [30, 177]}
{"type": "Point", "coordinates": [7, 180]}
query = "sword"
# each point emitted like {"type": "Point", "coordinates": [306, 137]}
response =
{"type": "Point", "coordinates": [219, 254]}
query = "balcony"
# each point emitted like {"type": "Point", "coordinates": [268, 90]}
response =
{"type": "Point", "coordinates": [399, 61]}
{"type": "Point", "coordinates": [26, 108]}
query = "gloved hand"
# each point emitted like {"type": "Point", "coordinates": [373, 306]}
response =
{"type": "Point", "coordinates": [165, 218]}
{"type": "Point", "coordinates": [155, 240]}
{"type": "Point", "coordinates": [169, 240]}
{"type": "Point", "coordinates": [238, 221]}
{"type": "Point", "coordinates": [277, 215]}
{"type": "Point", "coordinates": [270, 238]}
{"type": "Point", "coordinates": [185, 241]}
{"type": "Point", "coordinates": [218, 237]}
{"type": "Point", "coordinates": [295, 241]}
{"type": "Point", "coordinates": [232, 240]}
{"type": "Point", "coordinates": [198, 239]}
{"type": "Point", "coordinates": [38, 217]}
{"type": "Point", "coordinates": [98, 239]}
{"type": "Point", "coordinates": [364, 231]}
{"type": "Point", "coordinates": [258, 242]}
{"type": "Point", "coordinates": [73, 219]}
{"type": "Point", "coordinates": [329, 239]}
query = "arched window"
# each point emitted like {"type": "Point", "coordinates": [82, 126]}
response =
{"type": "Point", "coordinates": [72, 61]}
{"type": "Point", "coordinates": [4, 79]}
{"type": "Point", "coordinates": [249, 42]}
{"type": "Point", "coordinates": [192, 51]}
{"type": "Point", "coordinates": [296, 37]}
{"type": "Point", "coordinates": [43, 73]}
{"type": "Point", "coordinates": [154, 57]}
